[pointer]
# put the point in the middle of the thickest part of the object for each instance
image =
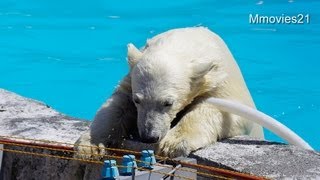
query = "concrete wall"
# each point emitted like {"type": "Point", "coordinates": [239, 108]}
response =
{"type": "Point", "coordinates": [28, 118]}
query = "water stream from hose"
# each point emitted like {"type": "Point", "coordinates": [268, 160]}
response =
{"type": "Point", "coordinates": [260, 118]}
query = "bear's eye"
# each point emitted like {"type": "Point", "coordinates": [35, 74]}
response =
{"type": "Point", "coordinates": [137, 98]}
{"type": "Point", "coordinates": [168, 103]}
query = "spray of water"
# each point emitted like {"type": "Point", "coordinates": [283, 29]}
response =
{"type": "Point", "coordinates": [261, 119]}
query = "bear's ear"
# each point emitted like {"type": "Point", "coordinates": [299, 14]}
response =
{"type": "Point", "coordinates": [133, 55]}
{"type": "Point", "coordinates": [202, 68]}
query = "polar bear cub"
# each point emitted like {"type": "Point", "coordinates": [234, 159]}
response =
{"type": "Point", "coordinates": [162, 99]}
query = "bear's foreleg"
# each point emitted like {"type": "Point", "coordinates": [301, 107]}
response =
{"type": "Point", "coordinates": [113, 123]}
{"type": "Point", "coordinates": [200, 127]}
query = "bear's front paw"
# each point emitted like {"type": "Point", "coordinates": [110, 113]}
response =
{"type": "Point", "coordinates": [174, 147]}
{"type": "Point", "coordinates": [86, 150]}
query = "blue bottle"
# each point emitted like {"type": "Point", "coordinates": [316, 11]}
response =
{"type": "Point", "coordinates": [147, 159]}
{"type": "Point", "coordinates": [129, 163]}
{"type": "Point", "coordinates": [110, 170]}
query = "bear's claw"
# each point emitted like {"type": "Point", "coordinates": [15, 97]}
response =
{"type": "Point", "coordinates": [86, 150]}
{"type": "Point", "coordinates": [174, 148]}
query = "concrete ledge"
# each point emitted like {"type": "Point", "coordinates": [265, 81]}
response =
{"type": "Point", "coordinates": [269, 159]}
{"type": "Point", "coordinates": [25, 117]}
{"type": "Point", "coordinates": [28, 118]}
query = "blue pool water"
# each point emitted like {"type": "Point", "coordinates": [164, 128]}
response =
{"type": "Point", "coordinates": [71, 54]}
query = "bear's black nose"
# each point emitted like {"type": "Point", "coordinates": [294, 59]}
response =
{"type": "Point", "coordinates": [150, 139]}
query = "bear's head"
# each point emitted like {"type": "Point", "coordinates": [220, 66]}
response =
{"type": "Point", "coordinates": [161, 88]}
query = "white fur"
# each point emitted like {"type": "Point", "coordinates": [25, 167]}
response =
{"type": "Point", "coordinates": [182, 68]}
